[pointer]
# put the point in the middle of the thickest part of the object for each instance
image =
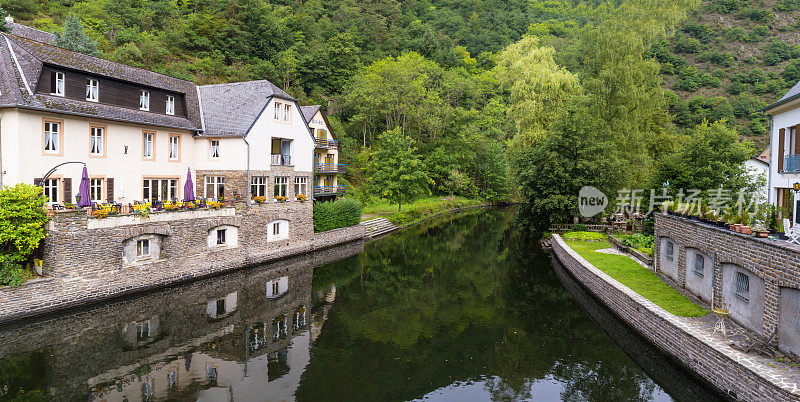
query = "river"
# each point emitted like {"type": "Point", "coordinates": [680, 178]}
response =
{"type": "Point", "coordinates": [460, 308]}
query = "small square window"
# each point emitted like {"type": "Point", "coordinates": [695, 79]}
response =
{"type": "Point", "coordinates": [214, 149]}
{"type": "Point", "coordinates": [144, 100]}
{"type": "Point", "coordinates": [143, 331]}
{"type": "Point", "coordinates": [57, 82]}
{"type": "Point", "coordinates": [276, 229]}
{"type": "Point", "coordinates": [220, 307]}
{"type": "Point", "coordinates": [92, 90]}
{"type": "Point", "coordinates": [276, 289]}
{"type": "Point", "coordinates": [143, 248]}
{"type": "Point", "coordinates": [670, 249]}
{"type": "Point", "coordinates": [170, 105]}
{"type": "Point", "coordinates": [742, 286]}
{"type": "Point", "coordinates": [220, 237]}
{"type": "Point", "coordinates": [699, 263]}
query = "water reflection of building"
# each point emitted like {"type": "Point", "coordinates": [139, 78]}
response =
{"type": "Point", "coordinates": [236, 336]}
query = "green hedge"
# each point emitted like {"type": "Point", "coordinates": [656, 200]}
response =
{"type": "Point", "coordinates": [336, 214]}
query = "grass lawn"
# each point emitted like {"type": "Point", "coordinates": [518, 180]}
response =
{"type": "Point", "coordinates": [638, 278]}
{"type": "Point", "coordinates": [417, 210]}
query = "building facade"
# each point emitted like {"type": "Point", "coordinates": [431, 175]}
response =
{"type": "Point", "coordinates": [784, 170]}
{"type": "Point", "coordinates": [327, 165]}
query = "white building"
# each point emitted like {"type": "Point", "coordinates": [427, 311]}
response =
{"type": "Point", "coordinates": [138, 132]}
{"type": "Point", "coordinates": [758, 168]}
{"type": "Point", "coordinates": [784, 170]}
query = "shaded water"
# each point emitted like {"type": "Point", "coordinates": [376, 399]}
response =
{"type": "Point", "coordinates": [461, 308]}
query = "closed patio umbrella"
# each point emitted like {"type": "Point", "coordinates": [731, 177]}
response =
{"type": "Point", "coordinates": [83, 190]}
{"type": "Point", "coordinates": [188, 188]}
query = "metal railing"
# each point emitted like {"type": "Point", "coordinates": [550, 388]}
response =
{"type": "Point", "coordinates": [326, 143]}
{"type": "Point", "coordinates": [281, 160]}
{"type": "Point", "coordinates": [329, 190]}
{"type": "Point", "coordinates": [791, 164]}
{"type": "Point", "coordinates": [330, 168]}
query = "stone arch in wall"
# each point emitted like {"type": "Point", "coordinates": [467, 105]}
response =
{"type": "Point", "coordinates": [668, 250]}
{"type": "Point", "coordinates": [700, 273]}
{"type": "Point", "coordinates": [278, 229]}
{"type": "Point", "coordinates": [743, 291]}
{"type": "Point", "coordinates": [789, 321]}
{"type": "Point", "coordinates": [143, 248]}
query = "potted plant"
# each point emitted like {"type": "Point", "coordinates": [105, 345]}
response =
{"type": "Point", "coordinates": [215, 204]}
{"type": "Point", "coordinates": [100, 213]}
{"type": "Point", "coordinates": [259, 199]}
{"type": "Point", "coordinates": [171, 207]}
{"type": "Point", "coordinates": [280, 198]}
{"type": "Point", "coordinates": [301, 197]}
{"type": "Point", "coordinates": [760, 230]}
{"type": "Point", "coordinates": [190, 206]}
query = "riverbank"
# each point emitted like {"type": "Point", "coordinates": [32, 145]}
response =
{"type": "Point", "coordinates": [418, 210]}
{"type": "Point", "coordinates": [736, 374]}
{"type": "Point", "coordinates": [56, 293]}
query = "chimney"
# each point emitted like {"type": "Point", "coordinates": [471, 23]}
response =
{"type": "Point", "coordinates": [9, 18]}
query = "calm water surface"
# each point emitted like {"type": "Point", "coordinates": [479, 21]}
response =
{"type": "Point", "coordinates": [458, 309]}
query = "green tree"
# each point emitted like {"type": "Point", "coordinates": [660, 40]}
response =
{"type": "Point", "coordinates": [22, 221]}
{"type": "Point", "coordinates": [73, 38]}
{"type": "Point", "coordinates": [398, 170]}
{"type": "Point", "coordinates": [710, 157]}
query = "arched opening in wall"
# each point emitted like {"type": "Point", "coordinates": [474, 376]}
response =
{"type": "Point", "coordinates": [223, 237]}
{"type": "Point", "coordinates": [789, 322]}
{"type": "Point", "coordinates": [142, 249]}
{"type": "Point", "coordinates": [278, 230]}
{"type": "Point", "coordinates": [699, 273]}
{"type": "Point", "coordinates": [743, 292]}
{"type": "Point", "coordinates": [668, 257]}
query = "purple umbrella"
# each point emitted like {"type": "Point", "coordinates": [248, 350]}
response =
{"type": "Point", "coordinates": [83, 190]}
{"type": "Point", "coordinates": [188, 188]}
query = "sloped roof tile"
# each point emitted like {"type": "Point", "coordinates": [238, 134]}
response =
{"type": "Point", "coordinates": [231, 109]}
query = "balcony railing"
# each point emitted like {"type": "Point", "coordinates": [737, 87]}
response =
{"type": "Point", "coordinates": [329, 190]}
{"type": "Point", "coordinates": [330, 168]}
{"type": "Point", "coordinates": [281, 160]}
{"type": "Point", "coordinates": [791, 164]}
{"type": "Point", "coordinates": [326, 143]}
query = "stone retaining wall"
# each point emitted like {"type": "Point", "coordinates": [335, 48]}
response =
{"type": "Point", "coordinates": [772, 268]}
{"type": "Point", "coordinates": [731, 372]}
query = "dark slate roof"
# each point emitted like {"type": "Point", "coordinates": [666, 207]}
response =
{"type": "Point", "coordinates": [309, 112]}
{"type": "Point", "coordinates": [231, 109]}
{"type": "Point", "coordinates": [22, 62]}
{"type": "Point", "coordinates": [31, 33]}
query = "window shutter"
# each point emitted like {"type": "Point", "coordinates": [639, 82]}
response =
{"type": "Point", "coordinates": [797, 139]}
{"type": "Point", "coordinates": [110, 189]}
{"type": "Point", "coordinates": [68, 190]}
{"type": "Point", "coordinates": [52, 82]}
{"type": "Point", "coordinates": [781, 138]}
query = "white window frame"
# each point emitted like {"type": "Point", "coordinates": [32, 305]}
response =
{"type": "Point", "coordinates": [221, 241]}
{"type": "Point", "coordinates": [147, 189]}
{"type": "Point", "coordinates": [92, 90]}
{"type": "Point", "coordinates": [278, 108]}
{"type": "Point", "coordinates": [300, 186]}
{"type": "Point", "coordinates": [258, 186]}
{"type": "Point", "coordinates": [50, 189]}
{"type": "Point", "coordinates": [217, 183]}
{"type": "Point", "coordinates": [148, 145]}
{"type": "Point", "coordinates": [287, 112]}
{"type": "Point", "coordinates": [170, 106]}
{"type": "Point", "coordinates": [213, 149]}
{"type": "Point", "coordinates": [96, 135]}
{"type": "Point", "coordinates": [277, 287]}
{"type": "Point", "coordinates": [143, 248]}
{"type": "Point", "coordinates": [60, 88]}
{"type": "Point", "coordinates": [174, 147]}
{"type": "Point", "coordinates": [52, 138]}
{"type": "Point", "coordinates": [281, 186]}
{"type": "Point", "coordinates": [144, 100]}
{"type": "Point", "coordinates": [96, 189]}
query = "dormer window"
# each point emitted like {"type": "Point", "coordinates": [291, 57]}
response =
{"type": "Point", "coordinates": [57, 83]}
{"type": "Point", "coordinates": [92, 90]}
{"type": "Point", "coordinates": [170, 105]}
{"type": "Point", "coordinates": [144, 100]}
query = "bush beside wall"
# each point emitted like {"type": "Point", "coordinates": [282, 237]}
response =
{"type": "Point", "coordinates": [336, 214]}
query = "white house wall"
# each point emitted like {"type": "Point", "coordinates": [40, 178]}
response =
{"type": "Point", "coordinates": [786, 119]}
{"type": "Point", "coordinates": [23, 159]}
{"type": "Point", "coordinates": [266, 128]}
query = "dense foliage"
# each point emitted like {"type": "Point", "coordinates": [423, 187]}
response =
{"type": "Point", "coordinates": [336, 214]}
{"type": "Point", "coordinates": [22, 221]}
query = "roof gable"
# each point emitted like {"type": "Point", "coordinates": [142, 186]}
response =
{"type": "Point", "coordinates": [231, 109]}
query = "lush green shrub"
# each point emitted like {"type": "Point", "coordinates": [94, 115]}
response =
{"type": "Point", "coordinates": [758, 33]}
{"type": "Point", "coordinates": [698, 30]}
{"type": "Point", "coordinates": [336, 214]}
{"type": "Point", "coordinates": [787, 5]}
{"type": "Point", "coordinates": [22, 221]}
{"type": "Point", "coordinates": [718, 58]}
{"type": "Point", "coordinates": [685, 44]}
{"type": "Point", "coordinates": [737, 87]}
{"type": "Point", "coordinates": [737, 34]}
{"type": "Point", "coordinates": [639, 242]}
{"type": "Point", "coordinates": [744, 105]}
{"type": "Point", "coordinates": [756, 14]}
{"type": "Point", "coordinates": [725, 6]}
{"type": "Point", "coordinates": [778, 51]}
{"type": "Point", "coordinates": [792, 71]}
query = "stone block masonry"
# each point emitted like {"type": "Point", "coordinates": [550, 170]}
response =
{"type": "Point", "coordinates": [86, 265]}
{"type": "Point", "coordinates": [739, 376]}
{"type": "Point", "coordinates": [752, 275]}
